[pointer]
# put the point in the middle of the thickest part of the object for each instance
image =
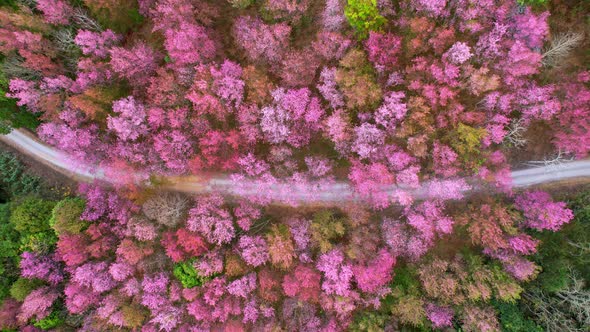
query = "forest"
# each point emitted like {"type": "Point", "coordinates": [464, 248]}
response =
{"type": "Point", "coordinates": [422, 109]}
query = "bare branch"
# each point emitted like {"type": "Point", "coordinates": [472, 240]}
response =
{"type": "Point", "coordinates": [568, 310]}
{"type": "Point", "coordinates": [583, 247]}
{"type": "Point", "coordinates": [515, 134]}
{"type": "Point", "coordinates": [560, 47]}
{"type": "Point", "coordinates": [84, 21]}
{"type": "Point", "coordinates": [69, 51]}
{"type": "Point", "coordinates": [64, 39]}
{"type": "Point", "coordinates": [553, 162]}
{"type": "Point", "coordinates": [167, 209]}
{"type": "Point", "coordinates": [28, 3]}
{"type": "Point", "coordinates": [13, 67]}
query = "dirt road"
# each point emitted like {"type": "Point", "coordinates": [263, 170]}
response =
{"type": "Point", "coordinates": [28, 144]}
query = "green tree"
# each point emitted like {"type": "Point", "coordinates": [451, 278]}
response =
{"type": "Point", "coordinates": [23, 287]}
{"type": "Point", "coordinates": [369, 321]}
{"type": "Point", "coordinates": [53, 320]}
{"type": "Point", "coordinates": [13, 178]}
{"type": "Point", "coordinates": [9, 3]}
{"type": "Point", "coordinates": [65, 216]}
{"type": "Point", "coordinates": [513, 319]}
{"type": "Point", "coordinates": [41, 242]}
{"type": "Point", "coordinates": [363, 16]}
{"type": "Point", "coordinates": [405, 300]}
{"type": "Point", "coordinates": [117, 15]}
{"type": "Point", "coordinates": [9, 243]}
{"type": "Point", "coordinates": [32, 215]}
{"type": "Point", "coordinates": [569, 249]}
{"type": "Point", "coordinates": [188, 275]}
{"type": "Point", "coordinates": [531, 2]}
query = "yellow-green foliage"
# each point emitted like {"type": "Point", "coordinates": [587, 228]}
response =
{"type": "Point", "coordinates": [30, 218]}
{"type": "Point", "coordinates": [474, 280]}
{"type": "Point", "coordinates": [32, 215]}
{"type": "Point", "coordinates": [54, 319]}
{"type": "Point", "coordinates": [65, 217]}
{"type": "Point", "coordinates": [410, 310]}
{"type": "Point", "coordinates": [188, 276]}
{"type": "Point", "coordinates": [466, 141]}
{"type": "Point", "coordinates": [23, 287]}
{"type": "Point", "coordinates": [503, 286]}
{"type": "Point", "coordinates": [531, 2]}
{"type": "Point", "coordinates": [325, 228]}
{"type": "Point", "coordinates": [369, 321]}
{"type": "Point", "coordinates": [41, 242]}
{"type": "Point", "coordinates": [405, 301]}
{"type": "Point", "coordinates": [363, 16]}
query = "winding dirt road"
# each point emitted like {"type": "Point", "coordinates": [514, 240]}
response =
{"type": "Point", "coordinates": [28, 144]}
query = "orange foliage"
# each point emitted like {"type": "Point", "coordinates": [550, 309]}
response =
{"type": "Point", "coordinates": [95, 102]}
{"type": "Point", "coordinates": [258, 86]}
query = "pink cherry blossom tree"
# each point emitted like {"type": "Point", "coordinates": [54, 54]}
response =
{"type": "Point", "coordinates": [212, 220]}
{"type": "Point", "coordinates": [376, 274]}
{"type": "Point", "coordinates": [262, 42]}
{"type": "Point", "coordinates": [130, 124]}
{"type": "Point", "coordinates": [337, 273]}
{"type": "Point", "coordinates": [541, 212]}
{"type": "Point", "coordinates": [96, 43]}
{"type": "Point", "coordinates": [253, 250]}
{"type": "Point", "coordinates": [55, 11]}
{"type": "Point", "coordinates": [136, 64]}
